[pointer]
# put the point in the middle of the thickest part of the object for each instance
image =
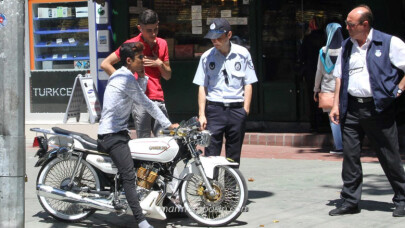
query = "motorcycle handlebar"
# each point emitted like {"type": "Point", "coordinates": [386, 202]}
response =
{"type": "Point", "coordinates": [167, 132]}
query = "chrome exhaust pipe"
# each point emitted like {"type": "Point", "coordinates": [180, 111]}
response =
{"type": "Point", "coordinates": [59, 194]}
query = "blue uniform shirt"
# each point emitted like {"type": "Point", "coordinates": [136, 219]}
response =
{"type": "Point", "coordinates": [214, 67]}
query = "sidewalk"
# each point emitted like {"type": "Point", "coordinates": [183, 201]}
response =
{"type": "Point", "coordinates": [288, 187]}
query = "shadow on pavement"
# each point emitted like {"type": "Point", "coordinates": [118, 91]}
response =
{"type": "Point", "coordinates": [259, 194]}
{"type": "Point", "coordinates": [377, 185]}
{"type": "Point", "coordinates": [373, 185]}
{"type": "Point", "coordinates": [369, 205]}
{"type": "Point", "coordinates": [95, 220]}
{"type": "Point", "coordinates": [112, 220]}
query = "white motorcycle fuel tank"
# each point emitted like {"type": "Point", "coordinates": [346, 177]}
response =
{"type": "Point", "coordinates": [160, 149]}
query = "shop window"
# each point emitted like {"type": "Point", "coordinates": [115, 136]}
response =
{"type": "Point", "coordinates": [183, 24]}
{"type": "Point", "coordinates": [59, 36]}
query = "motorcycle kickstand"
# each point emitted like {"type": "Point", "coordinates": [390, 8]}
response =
{"type": "Point", "coordinates": [121, 208]}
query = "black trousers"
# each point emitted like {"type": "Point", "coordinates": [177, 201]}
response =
{"type": "Point", "coordinates": [228, 121]}
{"type": "Point", "coordinates": [381, 130]}
{"type": "Point", "coordinates": [116, 145]}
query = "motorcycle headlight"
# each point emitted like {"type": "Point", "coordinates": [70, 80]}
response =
{"type": "Point", "coordinates": [204, 138]}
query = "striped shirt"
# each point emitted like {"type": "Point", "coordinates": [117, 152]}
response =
{"type": "Point", "coordinates": [121, 92]}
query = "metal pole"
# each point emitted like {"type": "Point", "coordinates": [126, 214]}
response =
{"type": "Point", "coordinates": [12, 120]}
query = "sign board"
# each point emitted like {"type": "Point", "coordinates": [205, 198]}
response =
{"type": "Point", "coordinates": [50, 91]}
{"type": "Point", "coordinates": [83, 93]}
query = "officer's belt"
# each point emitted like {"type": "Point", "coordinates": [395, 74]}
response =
{"type": "Point", "coordinates": [226, 105]}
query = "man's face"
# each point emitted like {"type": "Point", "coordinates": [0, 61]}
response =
{"type": "Point", "coordinates": [149, 32]}
{"type": "Point", "coordinates": [136, 64]}
{"type": "Point", "coordinates": [354, 26]}
{"type": "Point", "coordinates": [221, 41]}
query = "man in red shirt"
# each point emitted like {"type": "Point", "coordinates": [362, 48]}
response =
{"type": "Point", "coordinates": [156, 62]}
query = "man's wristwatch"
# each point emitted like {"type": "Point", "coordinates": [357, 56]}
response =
{"type": "Point", "coordinates": [399, 91]}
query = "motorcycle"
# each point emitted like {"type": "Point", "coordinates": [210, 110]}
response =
{"type": "Point", "coordinates": [75, 179]}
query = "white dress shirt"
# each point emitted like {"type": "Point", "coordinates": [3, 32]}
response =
{"type": "Point", "coordinates": [359, 78]}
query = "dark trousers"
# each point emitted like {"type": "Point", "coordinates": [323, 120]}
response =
{"type": "Point", "coordinates": [117, 146]}
{"type": "Point", "coordinates": [228, 121]}
{"type": "Point", "coordinates": [381, 130]}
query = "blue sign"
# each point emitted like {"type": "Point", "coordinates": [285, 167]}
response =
{"type": "Point", "coordinates": [3, 20]}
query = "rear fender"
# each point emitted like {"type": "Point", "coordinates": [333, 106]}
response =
{"type": "Point", "coordinates": [49, 155]}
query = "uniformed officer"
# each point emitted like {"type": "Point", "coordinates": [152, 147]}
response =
{"type": "Point", "coordinates": [225, 75]}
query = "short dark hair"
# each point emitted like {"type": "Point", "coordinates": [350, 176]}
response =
{"type": "Point", "coordinates": [148, 17]}
{"type": "Point", "coordinates": [366, 16]}
{"type": "Point", "coordinates": [129, 50]}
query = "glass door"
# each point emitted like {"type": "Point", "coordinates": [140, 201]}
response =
{"type": "Point", "coordinates": [284, 61]}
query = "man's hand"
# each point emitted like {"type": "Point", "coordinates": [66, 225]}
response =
{"type": "Point", "coordinates": [316, 96]}
{"type": "Point", "coordinates": [173, 126]}
{"type": "Point", "coordinates": [149, 61]}
{"type": "Point", "coordinates": [334, 114]}
{"type": "Point", "coordinates": [246, 110]}
{"type": "Point", "coordinates": [203, 122]}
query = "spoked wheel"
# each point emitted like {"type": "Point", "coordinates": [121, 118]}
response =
{"type": "Point", "coordinates": [57, 173]}
{"type": "Point", "coordinates": [221, 209]}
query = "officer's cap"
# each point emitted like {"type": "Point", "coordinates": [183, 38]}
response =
{"type": "Point", "coordinates": [218, 27]}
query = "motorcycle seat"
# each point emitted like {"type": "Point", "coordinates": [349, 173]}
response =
{"type": "Point", "coordinates": [87, 142]}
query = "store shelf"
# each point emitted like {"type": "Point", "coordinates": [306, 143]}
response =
{"type": "Point", "coordinates": [53, 18]}
{"type": "Point", "coordinates": [64, 44]}
{"type": "Point", "coordinates": [60, 70]}
{"type": "Point", "coordinates": [59, 58]}
{"type": "Point", "coordinates": [58, 31]}
{"type": "Point", "coordinates": [53, 24]}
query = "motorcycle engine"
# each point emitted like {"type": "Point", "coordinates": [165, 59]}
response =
{"type": "Point", "coordinates": [146, 176]}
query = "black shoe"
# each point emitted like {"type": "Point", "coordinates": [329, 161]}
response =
{"type": "Point", "coordinates": [343, 210]}
{"type": "Point", "coordinates": [399, 211]}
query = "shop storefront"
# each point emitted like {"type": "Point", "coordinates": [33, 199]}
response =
{"type": "Point", "coordinates": [272, 30]}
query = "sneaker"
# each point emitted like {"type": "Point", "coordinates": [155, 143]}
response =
{"type": "Point", "coordinates": [336, 151]}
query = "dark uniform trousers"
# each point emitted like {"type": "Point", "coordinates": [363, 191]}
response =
{"type": "Point", "coordinates": [230, 121]}
{"type": "Point", "coordinates": [381, 130]}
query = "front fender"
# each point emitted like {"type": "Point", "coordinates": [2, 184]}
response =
{"type": "Point", "coordinates": [209, 164]}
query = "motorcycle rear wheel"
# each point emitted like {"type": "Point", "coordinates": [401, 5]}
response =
{"type": "Point", "coordinates": [57, 173]}
{"type": "Point", "coordinates": [225, 207]}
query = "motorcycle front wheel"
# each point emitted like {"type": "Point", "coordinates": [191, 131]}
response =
{"type": "Point", "coordinates": [57, 174]}
{"type": "Point", "coordinates": [221, 209]}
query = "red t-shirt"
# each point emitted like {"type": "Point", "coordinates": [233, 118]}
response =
{"type": "Point", "coordinates": [154, 89]}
